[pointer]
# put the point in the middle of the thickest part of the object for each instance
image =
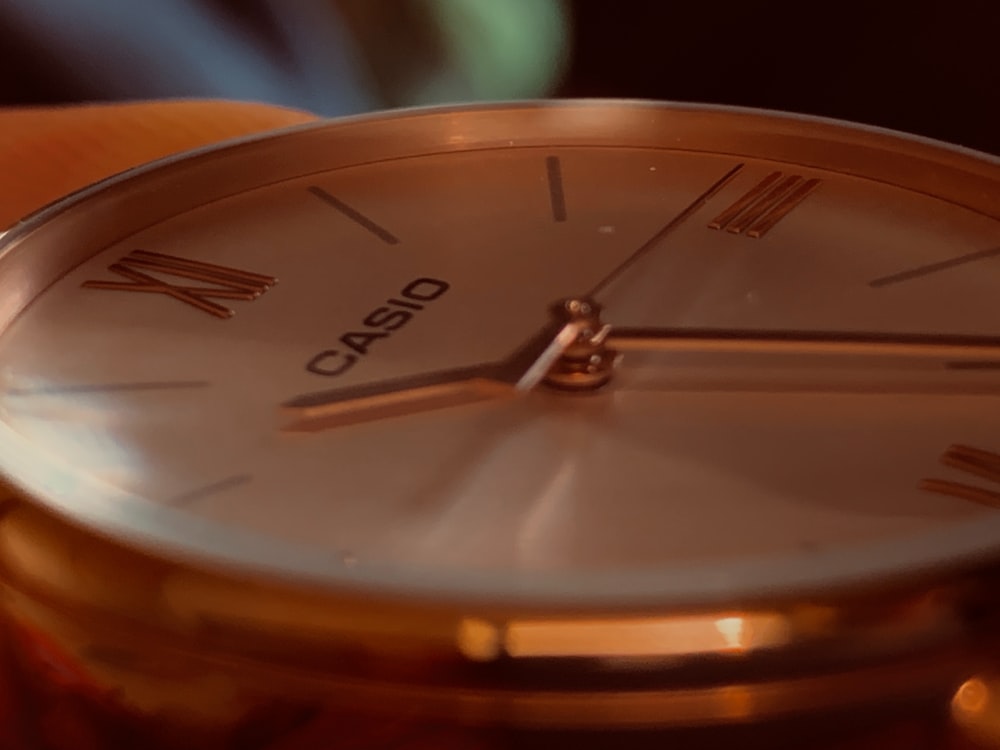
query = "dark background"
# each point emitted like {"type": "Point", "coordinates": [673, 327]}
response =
{"type": "Point", "coordinates": [931, 68]}
{"type": "Point", "coordinates": [923, 66]}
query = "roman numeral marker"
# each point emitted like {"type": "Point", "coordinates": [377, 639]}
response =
{"type": "Point", "coordinates": [974, 461]}
{"type": "Point", "coordinates": [225, 282]}
{"type": "Point", "coordinates": [758, 210]}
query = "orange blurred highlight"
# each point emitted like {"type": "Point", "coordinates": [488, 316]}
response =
{"type": "Point", "coordinates": [46, 153]}
{"type": "Point", "coordinates": [625, 637]}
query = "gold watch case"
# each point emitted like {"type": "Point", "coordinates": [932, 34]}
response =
{"type": "Point", "coordinates": [116, 637]}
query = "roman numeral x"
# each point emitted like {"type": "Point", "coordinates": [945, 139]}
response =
{"type": "Point", "coordinates": [222, 282]}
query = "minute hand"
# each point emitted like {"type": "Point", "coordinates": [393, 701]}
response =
{"type": "Point", "coordinates": [794, 360]}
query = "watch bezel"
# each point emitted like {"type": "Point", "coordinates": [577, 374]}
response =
{"type": "Point", "coordinates": [60, 237]}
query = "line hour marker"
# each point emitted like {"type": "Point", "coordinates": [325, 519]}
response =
{"type": "Point", "coordinates": [557, 195]}
{"type": "Point", "coordinates": [127, 387]}
{"type": "Point", "coordinates": [973, 365]}
{"type": "Point", "coordinates": [215, 488]}
{"type": "Point", "coordinates": [354, 215]}
{"type": "Point", "coordinates": [227, 282]}
{"type": "Point", "coordinates": [976, 462]}
{"type": "Point", "coordinates": [758, 210]}
{"type": "Point", "coordinates": [932, 268]}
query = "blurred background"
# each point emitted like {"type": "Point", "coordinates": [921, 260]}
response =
{"type": "Point", "coordinates": [927, 67]}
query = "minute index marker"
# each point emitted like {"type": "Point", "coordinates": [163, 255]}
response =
{"type": "Point", "coordinates": [124, 387]}
{"type": "Point", "coordinates": [200, 493]}
{"type": "Point", "coordinates": [931, 268]}
{"type": "Point", "coordinates": [354, 215]}
{"type": "Point", "coordinates": [557, 195]}
{"type": "Point", "coordinates": [973, 365]}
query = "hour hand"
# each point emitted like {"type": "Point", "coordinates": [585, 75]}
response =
{"type": "Point", "coordinates": [344, 406]}
{"type": "Point", "coordinates": [520, 372]}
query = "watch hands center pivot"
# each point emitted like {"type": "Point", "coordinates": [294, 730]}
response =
{"type": "Point", "coordinates": [587, 363]}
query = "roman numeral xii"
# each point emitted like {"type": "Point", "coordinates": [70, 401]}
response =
{"type": "Point", "coordinates": [218, 282]}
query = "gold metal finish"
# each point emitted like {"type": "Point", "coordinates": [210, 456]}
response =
{"type": "Point", "coordinates": [587, 363]}
{"type": "Point", "coordinates": [126, 624]}
{"type": "Point", "coordinates": [167, 648]}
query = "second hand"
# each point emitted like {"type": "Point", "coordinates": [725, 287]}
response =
{"type": "Point", "coordinates": [576, 344]}
{"type": "Point", "coordinates": [667, 228]}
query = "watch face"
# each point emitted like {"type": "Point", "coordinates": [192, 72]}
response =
{"type": "Point", "coordinates": [312, 354]}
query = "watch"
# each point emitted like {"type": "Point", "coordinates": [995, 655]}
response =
{"type": "Point", "coordinates": [582, 423]}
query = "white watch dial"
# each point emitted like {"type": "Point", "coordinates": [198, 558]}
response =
{"type": "Point", "coordinates": [146, 383]}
